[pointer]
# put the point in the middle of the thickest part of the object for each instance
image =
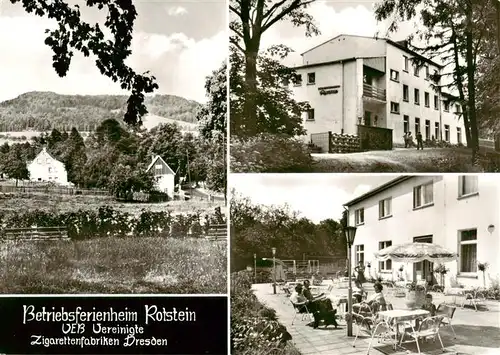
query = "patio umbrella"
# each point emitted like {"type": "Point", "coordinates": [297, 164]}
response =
{"type": "Point", "coordinates": [416, 252]}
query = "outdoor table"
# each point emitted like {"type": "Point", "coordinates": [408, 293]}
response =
{"type": "Point", "coordinates": [456, 292]}
{"type": "Point", "coordinates": [398, 316]}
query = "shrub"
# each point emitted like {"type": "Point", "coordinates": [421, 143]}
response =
{"type": "Point", "coordinates": [268, 153]}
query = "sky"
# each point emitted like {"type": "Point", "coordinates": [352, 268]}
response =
{"type": "Point", "coordinates": [333, 17]}
{"type": "Point", "coordinates": [179, 42]}
{"type": "Point", "coordinates": [315, 196]}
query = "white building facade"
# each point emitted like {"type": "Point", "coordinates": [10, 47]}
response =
{"type": "Point", "coordinates": [460, 213]}
{"type": "Point", "coordinates": [163, 174]}
{"type": "Point", "coordinates": [353, 80]}
{"type": "Point", "coordinates": [47, 169]}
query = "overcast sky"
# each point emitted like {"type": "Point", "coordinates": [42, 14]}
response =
{"type": "Point", "coordinates": [180, 42]}
{"type": "Point", "coordinates": [315, 196]}
{"type": "Point", "coordinates": [333, 17]}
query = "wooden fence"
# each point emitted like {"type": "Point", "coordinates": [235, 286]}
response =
{"type": "Point", "coordinates": [217, 232]}
{"type": "Point", "coordinates": [35, 233]}
{"type": "Point", "coordinates": [59, 190]}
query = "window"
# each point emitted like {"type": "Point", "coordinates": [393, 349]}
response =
{"type": "Point", "coordinates": [385, 265]}
{"type": "Point", "coordinates": [311, 78]}
{"type": "Point", "coordinates": [447, 106]}
{"type": "Point", "coordinates": [285, 82]}
{"type": "Point", "coordinates": [394, 75]}
{"type": "Point", "coordinates": [406, 123]}
{"type": "Point", "coordinates": [359, 216]}
{"type": "Point", "coordinates": [436, 130]}
{"type": "Point", "coordinates": [384, 208]}
{"type": "Point", "coordinates": [459, 135]}
{"type": "Point", "coordinates": [457, 109]}
{"type": "Point", "coordinates": [405, 63]}
{"type": "Point", "coordinates": [467, 185]}
{"type": "Point", "coordinates": [436, 103]}
{"type": "Point", "coordinates": [310, 114]}
{"type": "Point", "coordinates": [427, 130]}
{"type": "Point", "coordinates": [427, 99]}
{"type": "Point", "coordinates": [406, 93]}
{"type": "Point", "coordinates": [417, 125]}
{"type": "Point", "coordinates": [423, 195]}
{"type": "Point", "coordinates": [417, 96]}
{"type": "Point", "coordinates": [298, 80]}
{"type": "Point", "coordinates": [427, 75]}
{"type": "Point", "coordinates": [447, 132]}
{"type": "Point", "coordinates": [468, 251]}
{"type": "Point", "coordinates": [416, 70]}
{"type": "Point", "coordinates": [360, 254]}
{"type": "Point", "coordinates": [394, 107]}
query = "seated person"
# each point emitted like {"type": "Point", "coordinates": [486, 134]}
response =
{"type": "Point", "coordinates": [428, 305]}
{"type": "Point", "coordinates": [358, 292]}
{"type": "Point", "coordinates": [378, 297]}
{"type": "Point", "coordinates": [297, 297]}
{"type": "Point", "coordinates": [307, 292]}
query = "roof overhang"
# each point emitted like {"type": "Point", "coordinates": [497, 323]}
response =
{"type": "Point", "coordinates": [378, 190]}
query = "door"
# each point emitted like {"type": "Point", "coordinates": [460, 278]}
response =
{"type": "Point", "coordinates": [368, 118]}
{"type": "Point", "coordinates": [423, 270]}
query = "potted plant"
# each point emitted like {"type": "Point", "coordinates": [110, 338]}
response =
{"type": "Point", "coordinates": [482, 267]}
{"type": "Point", "coordinates": [415, 296]}
{"type": "Point", "coordinates": [441, 270]}
{"type": "Point", "coordinates": [368, 266]}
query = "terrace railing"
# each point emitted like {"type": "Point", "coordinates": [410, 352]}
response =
{"type": "Point", "coordinates": [374, 92]}
{"type": "Point", "coordinates": [217, 232]}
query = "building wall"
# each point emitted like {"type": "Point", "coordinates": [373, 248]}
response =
{"type": "Point", "coordinates": [165, 183]}
{"type": "Point", "coordinates": [343, 47]}
{"type": "Point", "coordinates": [45, 168]}
{"type": "Point", "coordinates": [443, 220]}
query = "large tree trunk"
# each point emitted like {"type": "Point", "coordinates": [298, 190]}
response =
{"type": "Point", "coordinates": [250, 104]}
{"type": "Point", "coordinates": [471, 88]}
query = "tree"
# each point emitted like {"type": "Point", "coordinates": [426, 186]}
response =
{"type": "Point", "coordinates": [74, 34]}
{"type": "Point", "coordinates": [14, 165]}
{"type": "Point", "coordinates": [212, 116]}
{"type": "Point", "coordinates": [127, 178]}
{"type": "Point", "coordinates": [276, 110]}
{"type": "Point", "coordinates": [252, 19]}
{"type": "Point", "coordinates": [458, 27]}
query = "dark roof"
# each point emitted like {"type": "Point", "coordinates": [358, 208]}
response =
{"type": "Point", "coordinates": [399, 44]}
{"type": "Point", "coordinates": [379, 189]}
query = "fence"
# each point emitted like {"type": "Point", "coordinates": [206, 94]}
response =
{"type": "Point", "coordinates": [374, 138]}
{"type": "Point", "coordinates": [9, 189]}
{"type": "Point", "coordinates": [217, 232]}
{"type": "Point", "coordinates": [35, 233]}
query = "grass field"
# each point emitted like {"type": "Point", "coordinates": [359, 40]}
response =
{"type": "Point", "coordinates": [114, 265]}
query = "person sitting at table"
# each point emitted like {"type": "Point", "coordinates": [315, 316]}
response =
{"type": "Point", "coordinates": [428, 305]}
{"type": "Point", "coordinates": [298, 298]}
{"type": "Point", "coordinates": [377, 297]}
{"type": "Point", "coordinates": [307, 292]}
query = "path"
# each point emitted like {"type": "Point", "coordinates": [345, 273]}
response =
{"type": "Point", "coordinates": [477, 332]}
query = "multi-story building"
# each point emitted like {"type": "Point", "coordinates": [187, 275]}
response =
{"type": "Point", "coordinates": [459, 213]}
{"type": "Point", "coordinates": [47, 168]}
{"type": "Point", "coordinates": [352, 80]}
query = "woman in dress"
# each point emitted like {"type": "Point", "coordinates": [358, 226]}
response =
{"type": "Point", "coordinates": [360, 270]}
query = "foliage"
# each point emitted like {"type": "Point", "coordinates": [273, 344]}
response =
{"type": "Point", "coordinates": [276, 110]}
{"type": "Point", "coordinates": [267, 153]}
{"type": "Point", "coordinates": [115, 265]}
{"type": "Point", "coordinates": [441, 269]}
{"type": "Point", "coordinates": [482, 266]}
{"type": "Point", "coordinates": [14, 166]}
{"type": "Point", "coordinates": [74, 34]}
{"type": "Point", "coordinates": [42, 111]}
{"type": "Point", "coordinates": [413, 286]}
{"type": "Point", "coordinates": [254, 327]}
{"type": "Point", "coordinates": [255, 229]}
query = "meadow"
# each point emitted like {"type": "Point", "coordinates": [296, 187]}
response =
{"type": "Point", "coordinates": [111, 261]}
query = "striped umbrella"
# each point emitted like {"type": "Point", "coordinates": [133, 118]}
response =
{"type": "Point", "coordinates": [416, 252]}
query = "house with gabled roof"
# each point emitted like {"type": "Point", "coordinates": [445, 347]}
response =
{"type": "Point", "coordinates": [46, 168]}
{"type": "Point", "coordinates": [164, 175]}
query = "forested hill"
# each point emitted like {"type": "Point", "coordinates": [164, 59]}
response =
{"type": "Point", "coordinates": [39, 111]}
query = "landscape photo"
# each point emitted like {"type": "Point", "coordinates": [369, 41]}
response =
{"type": "Point", "coordinates": [113, 181]}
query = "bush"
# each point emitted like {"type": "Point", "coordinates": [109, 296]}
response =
{"type": "Point", "coordinates": [254, 327]}
{"type": "Point", "coordinates": [268, 153]}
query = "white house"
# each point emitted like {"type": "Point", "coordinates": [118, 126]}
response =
{"type": "Point", "coordinates": [164, 175]}
{"type": "Point", "coordinates": [46, 168]}
{"type": "Point", "coordinates": [353, 80]}
{"type": "Point", "coordinates": [460, 213]}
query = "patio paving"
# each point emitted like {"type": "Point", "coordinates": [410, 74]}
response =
{"type": "Point", "coordinates": [478, 332]}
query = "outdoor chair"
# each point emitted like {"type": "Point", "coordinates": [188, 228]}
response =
{"type": "Point", "coordinates": [428, 328]}
{"type": "Point", "coordinates": [367, 322]}
{"type": "Point", "coordinates": [301, 308]}
{"type": "Point", "coordinates": [447, 312]}
{"type": "Point", "coordinates": [474, 298]}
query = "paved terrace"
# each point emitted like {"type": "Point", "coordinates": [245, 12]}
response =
{"type": "Point", "coordinates": [477, 332]}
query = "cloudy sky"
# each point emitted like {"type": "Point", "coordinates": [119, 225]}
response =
{"type": "Point", "coordinates": [180, 42]}
{"type": "Point", "coordinates": [333, 17]}
{"type": "Point", "coordinates": [315, 196]}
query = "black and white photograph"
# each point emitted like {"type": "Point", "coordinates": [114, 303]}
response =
{"type": "Point", "coordinates": [365, 264]}
{"type": "Point", "coordinates": [113, 147]}
{"type": "Point", "coordinates": [364, 86]}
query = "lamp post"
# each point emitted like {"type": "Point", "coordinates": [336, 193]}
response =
{"type": "Point", "coordinates": [254, 268]}
{"type": "Point", "coordinates": [350, 233]}
{"type": "Point", "coordinates": [274, 270]}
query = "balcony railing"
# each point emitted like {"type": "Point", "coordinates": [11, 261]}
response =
{"type": "Point", "coordinates": [373, 92]}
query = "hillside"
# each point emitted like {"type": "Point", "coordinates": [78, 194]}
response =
{"type": "Point", "coordinates": [40, 111]}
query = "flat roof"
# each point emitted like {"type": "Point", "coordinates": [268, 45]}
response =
{"type": "Point", "coordinates": [378, 190]}
{"type": "Point", "coordinates": [325, 63]}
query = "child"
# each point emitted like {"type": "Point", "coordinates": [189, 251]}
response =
{"type": "Point", "coordinates": [428, 305]}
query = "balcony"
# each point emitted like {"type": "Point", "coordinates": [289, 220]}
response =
{"type": "Point", "coordinates": [372, 92]}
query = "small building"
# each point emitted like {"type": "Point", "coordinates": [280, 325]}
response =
{"type": "Point", "coordinates": [164, 175]}
{"type": "Point", "coordinates": [459, 213]}
{"type": "Point", "coordinates": [46, 168]}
